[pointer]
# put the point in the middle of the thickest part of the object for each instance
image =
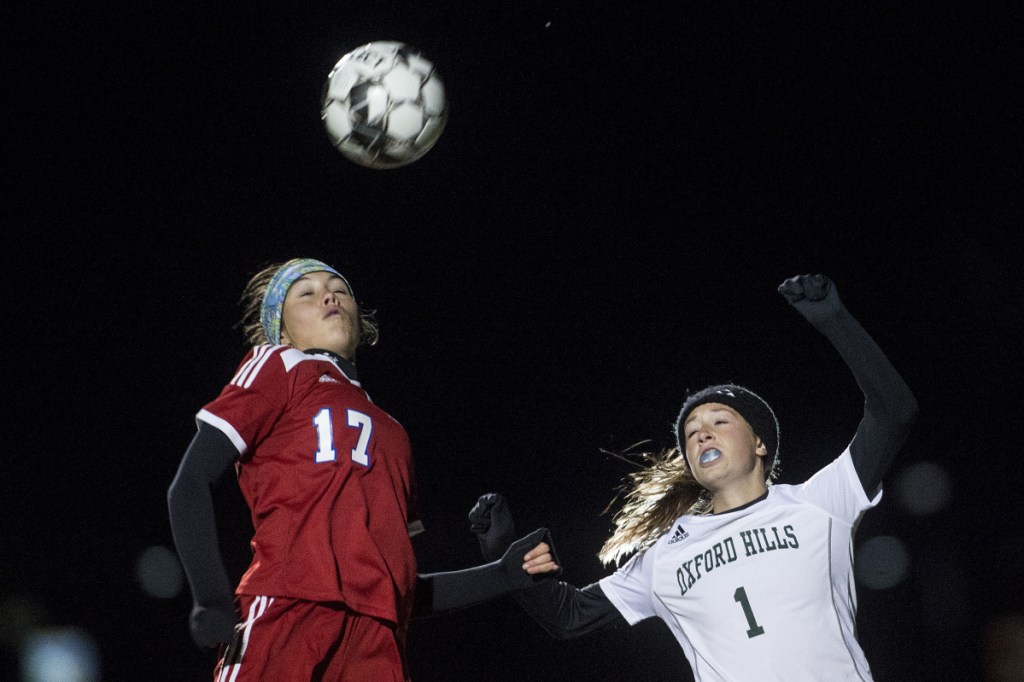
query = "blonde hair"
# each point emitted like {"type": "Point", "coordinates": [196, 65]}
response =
{"type": "Point", "coordinates": [252, 304]}
{"type": "Point", "coordinates": [661, 491]}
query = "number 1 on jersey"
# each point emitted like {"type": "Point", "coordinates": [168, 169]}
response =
{"type": "Point", "coordinates": [741, 596]}
{"type": "Point", "coordinates": [325, 436]}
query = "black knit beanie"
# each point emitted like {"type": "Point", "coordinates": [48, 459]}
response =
{"type": "Point", "coordinates": [753, 408]}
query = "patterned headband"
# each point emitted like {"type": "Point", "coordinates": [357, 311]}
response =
{"type": "Point", "coordinates": [273, 299]}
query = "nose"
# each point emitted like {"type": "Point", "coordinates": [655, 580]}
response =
{"type": "Point", "coordinates": [703, 435]}
{"type": "Point", "coordinates": [329, 298]}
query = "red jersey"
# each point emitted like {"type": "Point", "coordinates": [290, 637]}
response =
{"type": "Point", "coordinates": [328, 477]}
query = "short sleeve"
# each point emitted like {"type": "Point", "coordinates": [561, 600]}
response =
{"type": "Point", "coordinates": [629, 588]}
{"type": "Point", "coordinates": [251, 403]}
{"type": "Point", "coordinates": [837, 489]}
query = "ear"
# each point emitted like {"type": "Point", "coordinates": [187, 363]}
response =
{"type": "Point", "coordinates": [760, 449]}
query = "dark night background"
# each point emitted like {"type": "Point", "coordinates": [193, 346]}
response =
{"type": "Point", "coordinates": [601, 227]}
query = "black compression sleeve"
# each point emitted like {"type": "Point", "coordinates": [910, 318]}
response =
{"type": "Point", "coordinates": [190, 504]}
{"type": "Point", "coordinates": [890, 408]}
{"type": "Point", "coordinates": [567, 612]}
{"type": "Point", "coordinates": [438, 593]}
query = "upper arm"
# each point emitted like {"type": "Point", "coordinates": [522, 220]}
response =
{"type": "Point", "coordinates": [879, 437]}
{"type": "Point", "coordinates": [566, 611]}
{"type": "Point", "coordinates": [208, 456]}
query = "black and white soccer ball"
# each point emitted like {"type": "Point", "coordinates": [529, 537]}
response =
{"type": "Point", "coordinates": [384, 105]}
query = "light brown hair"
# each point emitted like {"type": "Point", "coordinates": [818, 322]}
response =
{"type": "Point", "coordinates": [252, 304]}
{"type": "Point", "coordinates": [661, 491]}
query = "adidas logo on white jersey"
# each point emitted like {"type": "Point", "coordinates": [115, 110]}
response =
{"type": "Point", "coordinates": [678, 535]}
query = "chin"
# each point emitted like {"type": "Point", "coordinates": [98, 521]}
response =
{"type": "Point", "coordinates": [347, 351]}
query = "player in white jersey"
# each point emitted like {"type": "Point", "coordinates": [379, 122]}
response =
{"type": "Point", "coordinates": [755, 580]}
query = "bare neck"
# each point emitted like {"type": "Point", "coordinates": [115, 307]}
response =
{"type": "Point", "coordinates": [733, 498]}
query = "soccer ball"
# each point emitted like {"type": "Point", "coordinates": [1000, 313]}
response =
{"type": "Point", "coordinates": [384, 105]}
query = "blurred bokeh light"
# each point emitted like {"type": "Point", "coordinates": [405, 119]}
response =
{"type": "Point", "coordinates": [882, 562]}
{"type": "Point", "coordinates": [923, 488]}
{"type": "Point", "coordinates": [158, 572]}
{"type": "Point", "coordinates": [60, 655]}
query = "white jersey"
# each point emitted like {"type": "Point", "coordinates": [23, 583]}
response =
{"type": "Point", "coordinates": [765, 592]}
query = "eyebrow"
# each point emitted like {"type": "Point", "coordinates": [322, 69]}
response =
{"type": "Point", "coordinates": [717, 409]}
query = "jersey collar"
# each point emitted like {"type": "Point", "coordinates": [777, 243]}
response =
{"type": "Point", "coordinates": [347, 367]}
{"type": "Point", "coordinates": [759, 498]}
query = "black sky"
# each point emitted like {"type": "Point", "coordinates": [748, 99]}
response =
{"type": "Point", "coordinates": [601, 227]}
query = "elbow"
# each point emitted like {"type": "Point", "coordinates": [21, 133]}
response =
{"type": "Point", "coordinates": [178, 489]}
{"type": "Point", "coordinates": [566, 629]}
{"type": "Point", "coordinates": [172, 494]}
{"type": "Point", "coordinates": [915, 411]}
{"type": "Point", "coordinates": [562, 634]}
{"type": "Point", "coordinates": [898, 407]}
{"type": "Point", "coordinates": [911, 406]}
{"type": "Point", "coordinates": [909, 413]}
{"type": "Point", "coordinates": [183, 493]}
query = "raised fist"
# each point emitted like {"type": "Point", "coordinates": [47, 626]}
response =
{"type": "Point", "coordinates": [491, 520]}
{"type": "Point", "coordinates": [814, 296]}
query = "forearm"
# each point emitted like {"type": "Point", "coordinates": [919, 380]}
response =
{"type": "Point", "coordinates": [194, 530]}
{"type": "Point", "coordinates": [438, 593]}
{"type": "Point", "coordinates": [563, 610]}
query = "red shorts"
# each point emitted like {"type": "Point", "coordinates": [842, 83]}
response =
{"type": "Point", "coordinates": [287, 640]}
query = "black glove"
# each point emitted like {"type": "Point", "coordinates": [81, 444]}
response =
{"type": "Point", "coordinates": [512, 561]}
{"type": "Point", "coordinates": [212, 625]}
{"type": "Point", "coordinates": [438, 593]}
{"type": "Point", "coordinates": [491, 520]}
{"type": "Point", "coordinates": [814, 296]}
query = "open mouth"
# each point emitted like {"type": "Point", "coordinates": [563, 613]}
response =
{"type": "Point", "coordinates": [710, 455]}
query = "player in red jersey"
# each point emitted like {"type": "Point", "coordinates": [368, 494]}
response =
{"type": "Point", "coordinates": [329, 480]}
